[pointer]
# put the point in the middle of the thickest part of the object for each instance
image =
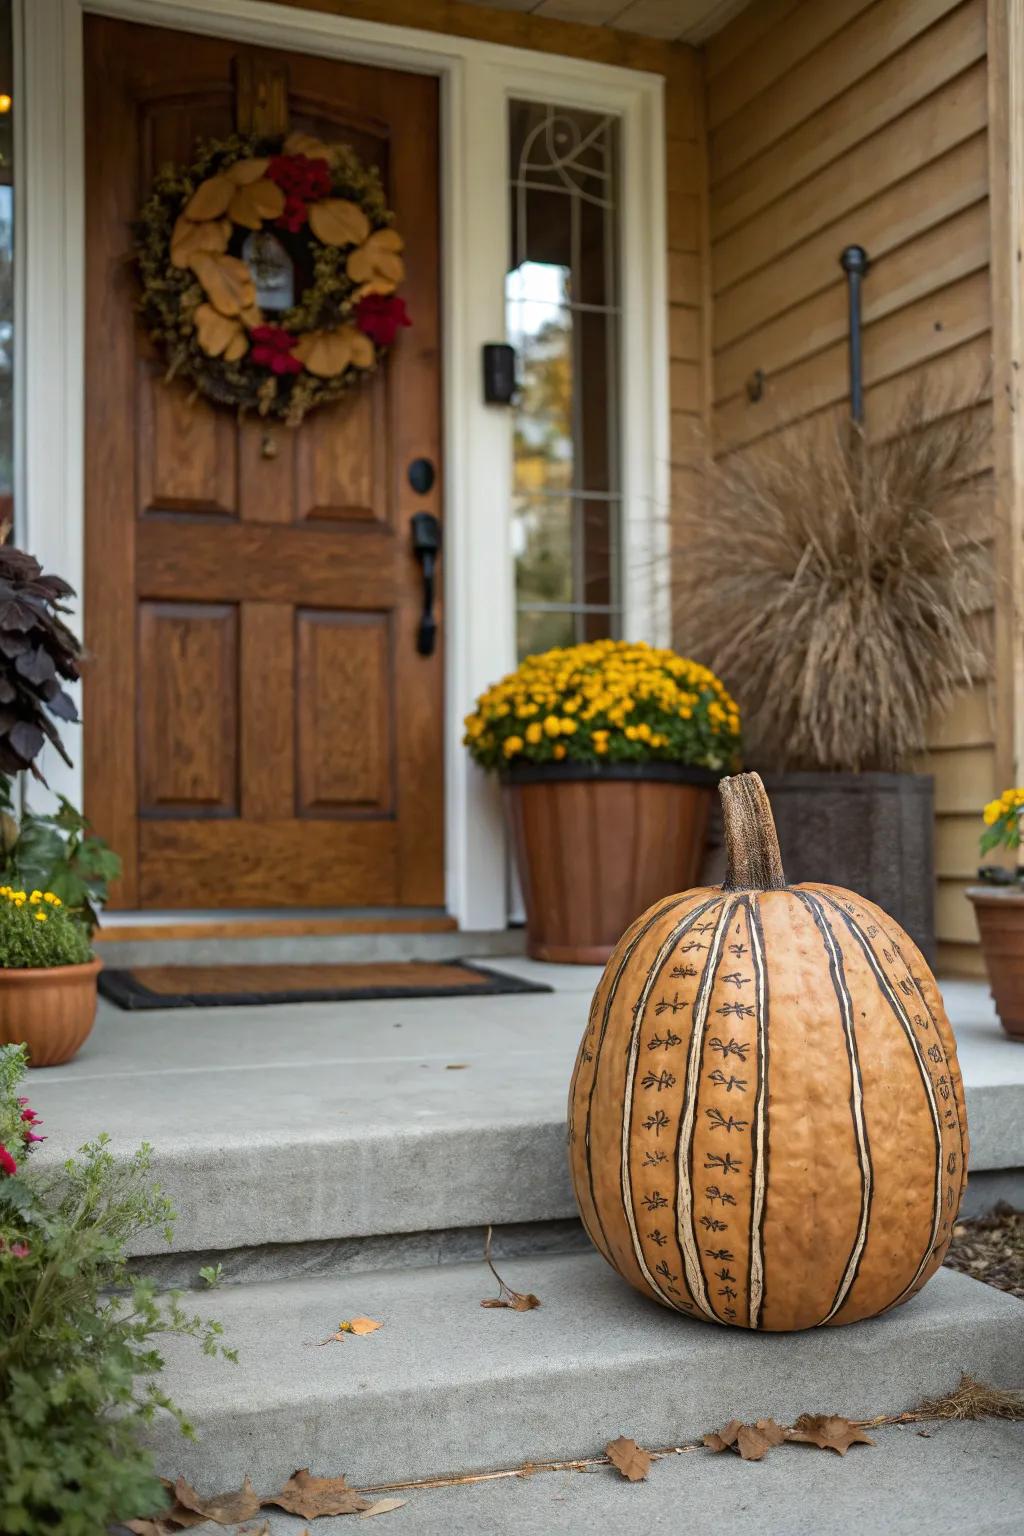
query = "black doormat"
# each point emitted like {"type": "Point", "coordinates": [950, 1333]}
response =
{"type": "Point", "coordinates": [229, 986]}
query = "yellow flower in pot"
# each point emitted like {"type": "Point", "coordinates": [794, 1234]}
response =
{"type": "Point", "coordinates": [609, 753]}
{"type": "Point", "coordinates": [999, 908]}
{"type": "Point", "coordinates": [47, 976]}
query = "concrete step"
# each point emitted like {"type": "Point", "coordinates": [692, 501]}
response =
{"type": "Point", "coordinates": [448, 1386]}
{"type": "Point", "coordinates": [956, 1477]}
{"type": "Point", "coordinates": [326, 1121]}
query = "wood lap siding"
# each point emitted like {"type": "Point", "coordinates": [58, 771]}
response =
{"type": "Point", "coordinates": [859, 121]}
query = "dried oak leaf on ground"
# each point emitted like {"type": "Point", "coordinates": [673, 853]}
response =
{"type": "Point", "coordinates": [221, 1508]}
{"type": "Point", "coordinates": [630, 1459]}
{"type": "Point", "coordinates": [515, 1301]}
{"type": "Point", "coordinates": [828, 1431]}
{"type": "Point", "coordinates": [751, 1441]}
{"type": "Point", "coordinates": [310, 1496]}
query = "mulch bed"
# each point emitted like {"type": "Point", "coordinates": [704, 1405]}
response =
{"type": "Point", "coordinates": [991, 1248]}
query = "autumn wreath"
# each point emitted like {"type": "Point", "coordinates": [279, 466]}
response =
{"type": "Point", "coordinates": [269, 268]}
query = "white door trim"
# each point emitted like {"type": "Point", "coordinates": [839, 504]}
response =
{"type": "Point", "coordinates": [476, 79]}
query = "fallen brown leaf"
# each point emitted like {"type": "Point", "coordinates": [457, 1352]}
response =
{"type": "Point", "coordinates": [221, 1508]}
{"type": "Point", "coordinates": [630, 1459]}
{"type": "Point", "coordinates": [310, 1496]}
{"type": "Point", "coordinates": [828, 1431]}
{"type": "Point", "coordinates": [457, 1066]}
{"type": "Point", "coordinates": [356, 1325]}
{"type": "Point", "coordinates": [751, 1441]}
{"type": "Point", "coordinates": [382, 1507]}
{"type": "Point", "coordinates": [514, 1301]}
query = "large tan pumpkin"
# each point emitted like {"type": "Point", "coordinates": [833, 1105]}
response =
{"type": "Point", "coordinates": [766, 1118]}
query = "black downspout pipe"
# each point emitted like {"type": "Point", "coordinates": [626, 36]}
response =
{"type": "Point", "coordinates": [854, 262]}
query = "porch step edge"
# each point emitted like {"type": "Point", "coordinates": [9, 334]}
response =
{"type": "Point", "coordinates": [595, 1360]}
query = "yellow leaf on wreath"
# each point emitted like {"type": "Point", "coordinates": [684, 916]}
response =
{"type": "Point", "coordinates": [307, 144]}
{"type": "Point", "coordinates": [219, 335]}
{"type": "Point", "coordinates": [256, 201]}
{"type": "Point", "coordinates": [228, 281]}
{"type": "Point", "coordinates": [251, 316]}
{"type": "Point", "coordinates": [188, 237]}
{"type": "Point", "coordinates": [336, 221]}
{"type": "Point", "coordinates": [210, 199]}
{"type": "Point", "coordinates": [328, 353]}
{"type": "Point", "coordinates": [245, 171]}
{"type": "Point", "coordinates": [377, 261]}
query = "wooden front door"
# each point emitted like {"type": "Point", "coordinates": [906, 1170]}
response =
{"type": "Point", "coordinates": [260, 730]}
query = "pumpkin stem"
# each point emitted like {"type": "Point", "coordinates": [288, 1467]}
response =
{"type": "Point", "coordinates": [751, 841]}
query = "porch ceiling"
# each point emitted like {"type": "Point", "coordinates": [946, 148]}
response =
{"type": "Point", "coordinates": [685, 21]}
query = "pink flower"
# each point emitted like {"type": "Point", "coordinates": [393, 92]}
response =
{"type": "Point", "coordinates": [31, 1136]}
{"type": "Point", "coordinates": [20, 1250]}
{"type": "Point", "coordinates": [272, 348]}
{"type": "Point", "coordinates": [29, 1116]}
{"type": "Point", "coordinates": [379, 316]}
{"type": "Point", "coordinates": [7, 1162]}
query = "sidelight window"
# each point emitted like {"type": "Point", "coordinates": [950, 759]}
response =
{"type": "Point", "coordinates": [562, 310]}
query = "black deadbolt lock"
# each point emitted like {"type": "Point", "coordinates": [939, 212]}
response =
{"type": "Point", "coordinates": [421, 476]}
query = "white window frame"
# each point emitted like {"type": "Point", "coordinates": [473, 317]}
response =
{"type": "Point", "coordinates": [477, 81]}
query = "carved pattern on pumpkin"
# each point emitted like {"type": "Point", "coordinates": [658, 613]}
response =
{"type": "Point", "coordinates": [795, 1196]}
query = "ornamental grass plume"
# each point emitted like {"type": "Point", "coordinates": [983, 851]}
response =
{"type": "Point", "coordinates": [823, 575]}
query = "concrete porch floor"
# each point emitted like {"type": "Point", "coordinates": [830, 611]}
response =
{"type": "Point", "coordinates": [398, 1116]}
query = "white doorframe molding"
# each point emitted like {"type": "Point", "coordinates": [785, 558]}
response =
{"type": "Point", "coordinates": [477, 79]}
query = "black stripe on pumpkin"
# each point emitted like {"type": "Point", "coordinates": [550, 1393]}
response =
{"type": "Point", "coordinates": [889, 993]}
{"type": "Point", "coordinates": [759, 1124]}
{"type": "Point", "coordinates": [671, 904]}
{"type": "Point", "coordinates": [842, 991]}
{"type": "Point", "coordinates": [629, 1091]}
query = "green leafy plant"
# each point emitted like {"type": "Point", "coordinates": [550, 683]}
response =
{"type": "Point", "coordinates": [79, 1342]}
{"type": "Point", "coordinates": [57, 853]}
{"type": "Point", "coordinates": [211, 1275]}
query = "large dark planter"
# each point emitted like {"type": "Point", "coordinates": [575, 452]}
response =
{"type": "Point", "coordinates": [870, 832]}
{"type": "Point", "coordinates": [1000, 913]}
{"type": "Point", "coordinates": [596, 846]}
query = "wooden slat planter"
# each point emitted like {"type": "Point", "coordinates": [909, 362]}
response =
{"type": "Point", "coordinates": [597, 846]}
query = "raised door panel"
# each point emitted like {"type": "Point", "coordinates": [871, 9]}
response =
{"type": "Point", "coordinates": [344, 740]}
{"type": "Point", "coordinates": [342, 460]}
{"type": "Point", "coordinates": [186, 451]}
{"type": "Point", "coordinates": [188, 709]}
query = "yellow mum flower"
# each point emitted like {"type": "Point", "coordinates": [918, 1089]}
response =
{"type": "Point", "coordinates": [992, 812]}
{"type": "Point", "coordinates": [40, 917]}
{"type": "Point", "coordinates": [534, 733]}
{"type": "Point", "coordinates": [559, 751]}
{"type": "Point", "coordinates": [513, 744]}
{"type": "Point", "coordinates": [552, 726]}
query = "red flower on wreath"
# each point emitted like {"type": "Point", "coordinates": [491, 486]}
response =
{"type": "Point", "coordinates": [272, 348]}
{"type": "Point", "coordinates": [380, 315]}
{"type": "Point", "coordinates": [7, 1162]}
{"type": "Point", "coordinates": [303, 181]}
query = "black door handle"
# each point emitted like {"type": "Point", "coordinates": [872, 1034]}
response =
{"type": "Point", "coordinates": [426, 546]}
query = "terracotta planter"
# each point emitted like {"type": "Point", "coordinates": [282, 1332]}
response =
{"type": "Point", "coordinates": [51, 1011]}
{"type": "Point", "coordinates": [597, 846]}
{"type": "Point", "coordinates": [1000, 913]}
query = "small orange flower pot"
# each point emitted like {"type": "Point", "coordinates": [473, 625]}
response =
{"type": "Point", "coordinates": [50, 1011]}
